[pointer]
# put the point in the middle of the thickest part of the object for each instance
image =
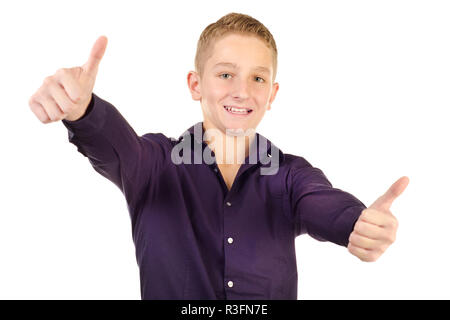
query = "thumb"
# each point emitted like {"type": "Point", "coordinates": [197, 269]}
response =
{"type": "Point", "coordinates": [384, 202]}
{"type": "Point", "coordinates": [97, 52]}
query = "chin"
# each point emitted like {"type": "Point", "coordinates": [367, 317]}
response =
{"type": "Point", "coordinates": [237, 129]}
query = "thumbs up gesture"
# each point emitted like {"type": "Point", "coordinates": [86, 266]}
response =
{"type": "Point", "coordinates": [376, 227]}
{"type": "Point", "coordinates": [67, 93]}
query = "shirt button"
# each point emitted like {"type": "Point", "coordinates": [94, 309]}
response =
{"type": "Point", "coordinates": [215, 170]}
{"type": "Point", "coordinates": [230, 284]}
{"type": "Point", "coordinates": [230, 240]}
{"type": "Point", "coordinates": [229, 204]}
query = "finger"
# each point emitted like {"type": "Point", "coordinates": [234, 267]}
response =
{"type": "Point", "coordinates": [379, 218]}
{"type": "Point", "coordinates": [361, 253]}
{"type": "Point", "coordinates": [364, 242]}
{"type": "Point", "coordinates": [69, 83]}
{"type": "Point", "coordinates": [369, 230]}
{"type": "Point", "coordinates": [96, 55]}
{"type": "Point", "coordinates": [53, 111]}
{"type": "Point", "coordinates": [385, 201]}
{"type": "Point", "coordinates": [39, 111]}
{"type": "Point", "coordinates": [61, 98]}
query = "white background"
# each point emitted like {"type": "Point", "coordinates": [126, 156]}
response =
{"type": "Point", "coordinates": [364, 95]}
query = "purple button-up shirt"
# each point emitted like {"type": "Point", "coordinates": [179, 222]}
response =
{"type": "Point", "coordinates": [194, 238]}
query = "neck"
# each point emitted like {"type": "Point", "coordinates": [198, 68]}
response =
{"type": "Point", "coordinates": [229, 149]}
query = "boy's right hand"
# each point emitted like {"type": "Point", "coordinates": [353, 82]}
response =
{"type": "Point", "coordinates": [67, 93]}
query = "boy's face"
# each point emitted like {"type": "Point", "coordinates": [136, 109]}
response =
{"type": "Point", "coordinates": [238, 73]}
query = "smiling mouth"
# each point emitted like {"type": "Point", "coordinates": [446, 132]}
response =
{"type": "Point", "coordinates": [238, 111]}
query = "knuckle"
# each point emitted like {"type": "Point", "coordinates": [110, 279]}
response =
{"type": "Point", "coordinates": [31, 100]}
{"type": "Point", "coordinates": [48, 80]}
{"type": "Point", "coordinates": [391, 238]}
{"type": "Point", "coordinates": [373, 259]}
{"type": "Point", "coordinates": [35, 98]}
{"type": "Point", "coordinates": [64, 72]}
{"type": "Point", "coordinates": [61, 73]}
{"type": "Point", "coordinates": [32, 107]}
{"type": "Point", "coordinates": [372, 256]}
{"type": "Point", "coordinates": [392, 225]}
{"type": "Point", "coordinates": [395, 223]}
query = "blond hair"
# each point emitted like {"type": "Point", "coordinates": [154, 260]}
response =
{"type": "Point", "coordinates": [232, 23]}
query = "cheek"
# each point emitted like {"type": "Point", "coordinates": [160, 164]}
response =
{"type": "Point", "coordinates": [263, 97]}
{"type": "Point", "coordinates": [217, 92]}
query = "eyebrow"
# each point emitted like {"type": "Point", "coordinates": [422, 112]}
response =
{"type": "Point", "coordinates": [233, 65]}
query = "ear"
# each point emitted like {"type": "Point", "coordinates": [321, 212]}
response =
{"type": "Point", "coordinates": [275, 88]}
{"type": "Point", "coordinates": [193, 81]}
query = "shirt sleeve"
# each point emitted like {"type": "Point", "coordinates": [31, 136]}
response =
{"type": "Point", "coordinates": [115, 151]}
{"type": "Point", "coordinates": [324, 212]}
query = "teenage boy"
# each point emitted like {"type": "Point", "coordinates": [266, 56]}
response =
{"type": "Point", "coordinates": [215, 213]}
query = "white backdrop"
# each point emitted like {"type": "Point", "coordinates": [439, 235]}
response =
{"type": "Point", "coordinates": [364, 95]}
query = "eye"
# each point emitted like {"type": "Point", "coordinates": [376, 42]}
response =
{"type": "Point", "coordinates": [262, 80]}
{"type": "Point", "coordinates": [224, 74]}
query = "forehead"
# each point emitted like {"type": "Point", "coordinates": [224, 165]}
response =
{"type": "Point", "coordinates": [236, 50]}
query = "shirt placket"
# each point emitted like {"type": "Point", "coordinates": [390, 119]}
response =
{"type": "Point", "coordinates": [229, 239]}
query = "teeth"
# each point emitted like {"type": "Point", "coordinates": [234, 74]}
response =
{"type": "Point", "coordinates": [238, 110]}
{"type": "Point", "coordinates": [235, 110]}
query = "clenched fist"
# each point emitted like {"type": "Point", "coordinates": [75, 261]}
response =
{"type": "Point", "coordinates": [67, 93]}
{"type": "Point", "coordinates": [376, 228]}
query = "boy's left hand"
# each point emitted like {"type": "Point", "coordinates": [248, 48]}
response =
{"type": "Point", "coordinates": [376, 227]}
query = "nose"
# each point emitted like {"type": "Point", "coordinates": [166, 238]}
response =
{"type": "Point", "coordinates": [241, 89]}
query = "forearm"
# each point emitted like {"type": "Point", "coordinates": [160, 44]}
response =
{"type": "Point", "coordinates": [111, 145]}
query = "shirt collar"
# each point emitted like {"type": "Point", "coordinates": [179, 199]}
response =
{"type": "Point", "coordinates": [264, 153]}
